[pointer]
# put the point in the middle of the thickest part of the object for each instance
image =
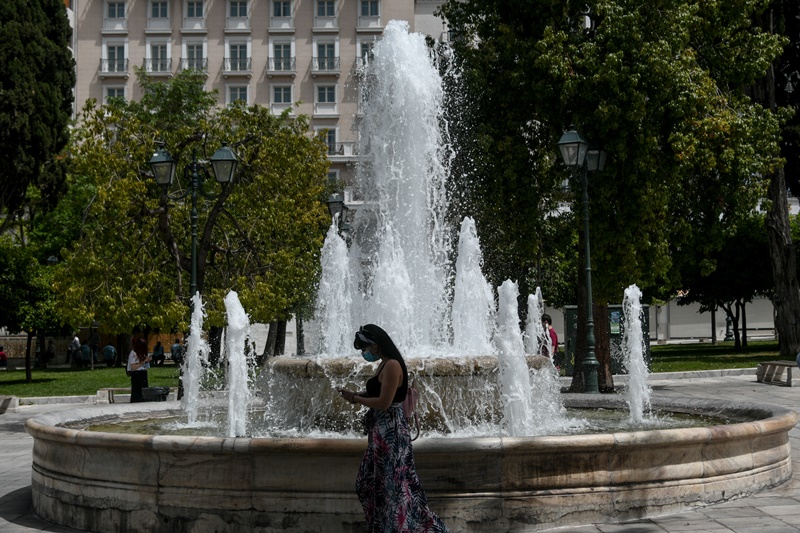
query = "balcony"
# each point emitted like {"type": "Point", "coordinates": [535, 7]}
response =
{"type": "Point", "coordinates": [369, 24]}
{"type": "Point", "coordinates": [277, 109]}
{"type": "Point", "coordinates": [112, 68]}
{"type": "Point", "coordinates": [194, 24]}
{"type": "Point", "coordinates": [240, 66]}
{"type": "Point", "coordinates": [158, 25]}
{"type": "Point", "coordinates": [325, 65]}
{"type": "Point", "coordinates": [194, 64]}
{"type": "Point", "coordinates": [342, 152]}
{"type": "Point", "coordinates": [237, 24]}
{"type": "Point", "coordinates": [281, 24]}
{"type": "Point", "coordinates": [156, 67]}
{"type": "Point", "coordinates": [115, 25]}
{"type": "Point", "coordinates": [326, 109]}
{"type": "Point", "coordinates": [326, 23]}
{"type": "Point", "coordinates": [278, 66]}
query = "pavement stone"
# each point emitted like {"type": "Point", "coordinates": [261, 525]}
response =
{"type": "Point", "coordinates": [774, 511]}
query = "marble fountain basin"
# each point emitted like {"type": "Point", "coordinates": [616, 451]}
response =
{"type": "Point", "coordinates": [126, 482]}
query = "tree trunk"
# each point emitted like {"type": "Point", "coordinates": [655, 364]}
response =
{"type": "Point", "coordinates": [301, 341]}
{"type": "Point", "coordinates": [123, 349]}
{"type": "Point", "coordinates": [714, 325]}
{"type": "Point", "coordinates": [602, 348]}
{"type": "Point", "coordinates": [28, 376]}
{"type": "Point", "coordinates": [784, 268]}
{"type": "Point", "coordinates": [280, 338]}
{"type": "Point", "coordinates": [214, 345]}
{"type": "Point", "coordinates": [744, 324]}
{"type": "Point", "coordinates": [272, 335]}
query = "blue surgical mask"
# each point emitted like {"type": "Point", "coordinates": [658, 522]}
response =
{"type": "Point", "coordinates": [370, 357]}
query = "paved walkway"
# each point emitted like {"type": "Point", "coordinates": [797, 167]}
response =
{"type": "Point", "coordinates": [776, 511]}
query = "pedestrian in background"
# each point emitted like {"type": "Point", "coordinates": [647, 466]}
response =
{"type": "Point", "coordinates": [138, 363]}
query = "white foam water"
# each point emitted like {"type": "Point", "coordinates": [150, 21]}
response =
{"type": "Point", "coordinates": [638, 391]}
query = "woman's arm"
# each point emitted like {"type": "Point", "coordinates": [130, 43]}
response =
{"type": "Point", "coordinates": [392, 379]}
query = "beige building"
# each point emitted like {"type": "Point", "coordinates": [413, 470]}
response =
{"type": "Point", "coordinates": [275, 53]}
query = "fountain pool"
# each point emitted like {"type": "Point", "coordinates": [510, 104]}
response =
{"type": "Point", "coordinates": [112, 482]}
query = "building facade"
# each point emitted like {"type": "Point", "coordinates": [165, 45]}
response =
{"type": "Point", "coordinates": [303, 54]}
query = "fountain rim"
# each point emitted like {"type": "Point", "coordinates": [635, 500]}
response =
{"type": "Point", "coordinates": [763, 419]}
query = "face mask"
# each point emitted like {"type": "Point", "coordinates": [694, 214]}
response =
{"type": "Point", "coordinates": [370, 357]}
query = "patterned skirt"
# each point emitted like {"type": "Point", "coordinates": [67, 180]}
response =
{"type": "Point", "coordinates": [387, 484]}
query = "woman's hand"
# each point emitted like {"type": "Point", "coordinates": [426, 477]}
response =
{"type": "Point", "coordinates": [347, 395]}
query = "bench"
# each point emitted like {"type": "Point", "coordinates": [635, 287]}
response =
{"type": "Point", "coordinates": [106, 395]}
{"type": "Point", "coordinates": [772, 372]}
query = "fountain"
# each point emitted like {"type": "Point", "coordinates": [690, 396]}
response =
{"type": "Point", "coordinates": [484, 459]}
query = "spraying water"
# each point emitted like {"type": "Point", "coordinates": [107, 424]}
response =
{"type": "Point", "coordinates": [638, 391]}
{"type": "Point", "coordinates": [404, 269]}
{"type": "Point", "coordinates": [473, 301]}
{"type": "Point", "coordinates": [238, 384]}
{"type": "Point", "coordinates": [335, 295]}
{"type": "Point", "coordinates": [514, 379]}
{"type": "Point", "coordinates": [535, 336]}
{"type": "Point", "coordinates": [196, 359]}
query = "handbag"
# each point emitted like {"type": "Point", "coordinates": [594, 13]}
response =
{"type": "Point", "coordinates": [410, 407]}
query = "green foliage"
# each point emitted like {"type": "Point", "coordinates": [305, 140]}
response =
{"type": "Point", "coordinates": [36, 80]}
{"type": "Point", "coordinates": [659, 85]}
{"type": "Point", "coordinates": [27, 301]}
{"type": "Point", "coordinates": [738, 271]}
{"type": "Point", "coordinates": [259, 236]}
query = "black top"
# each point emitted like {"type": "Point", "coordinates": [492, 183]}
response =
{"type": "Point", "coordinates": [374, 387]}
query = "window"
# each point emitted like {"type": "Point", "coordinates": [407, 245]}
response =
{"type": "Point", "coordinates": [116, 10]}
{"type": "Point", "coordinates": [238, 8]}
{"type": "Point", "coordinates": [238, 92]}
{"type": "Point", "coordinates": [283, 56]}
{"type": "Point", "coordinates": [115, 93]}
{"type": "Point", "coordinates": [116, 58]}
{"type": "Point", "coordinates": [281, 9]}
{"type": "Point", "coordinates": [326, 56]}
{"type": "Point", "coordinates": [158, 58]}
{"type": "Point", "coordinates": [326, 8]}
{"type": "Point", "coordinates": [330, 140]}
{"type": "Point", "coordinates": [194, 9]}
{"type": "Point", "coordinates": [239, 57]}
{"type": "Point", "coordinates": [326, 94]}
{"type": "Point", "coordinates": [366, 50]}
{"type": "Point", "coordinates": [194, 56]}
{"type": "Point", "coordinates": [282, 94]}
{"type": "Point", "coordinates": [158, 9]}
{"type": "Point", "coordinates": [369, 8]}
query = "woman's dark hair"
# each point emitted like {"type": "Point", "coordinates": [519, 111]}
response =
{"type": "Point", "coordinates": [140, 347]}
{"type": "Point", "coordinates": [546, 318]}
{"type": "Point", "coordinates": [372, 334]}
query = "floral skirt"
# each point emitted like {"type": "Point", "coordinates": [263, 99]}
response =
{"type": "Point", "coordinates": [387, 484]}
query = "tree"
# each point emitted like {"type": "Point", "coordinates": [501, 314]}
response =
{"type": "Point", "coordinates": [734, 275]}
{"type": "Point", "coordinates": [658, 86]}
{"type": "Point", "coordinates": [260, 236]}
{"type": "Point", "coordinates": [779, 88]}
{"type": "Point", "coordinates": [36, 80]}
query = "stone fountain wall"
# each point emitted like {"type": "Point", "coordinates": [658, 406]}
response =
{"type": "Point", "coordinates": [109, 482]}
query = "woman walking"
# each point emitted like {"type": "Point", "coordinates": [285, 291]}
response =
{"type": "Point", "coordinates": [387, 483]}
{"type": "Point", "coordinates": [138, 363]}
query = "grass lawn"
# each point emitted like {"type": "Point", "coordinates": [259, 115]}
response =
{"type": "Point", "coordinates": [706, 356]}
{"type": "Point", "coordinates": [78, 382]}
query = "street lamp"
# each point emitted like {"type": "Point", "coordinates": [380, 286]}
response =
{"type": "Point", "coordinates": [578, 154]}
{"type": "Point", "coordinates": [339, 211]}
{"type": "Point", "coordinates": [223, 164]}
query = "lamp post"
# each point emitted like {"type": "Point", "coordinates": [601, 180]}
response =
{"type": "Point", "coordinates": [339, 211]}
{"type": "Point", "coordinates": [223, 163]}
{"type": "Point", "coordinates": [577, 154]}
